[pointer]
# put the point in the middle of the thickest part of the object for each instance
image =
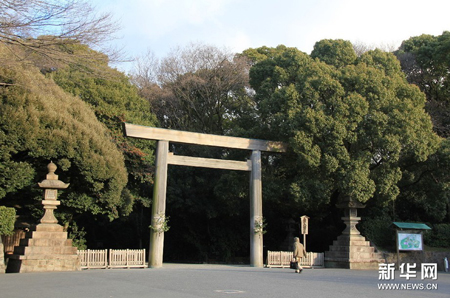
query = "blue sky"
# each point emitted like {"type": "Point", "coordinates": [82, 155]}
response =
{"type": "Point", "coordinates": [161, 25]}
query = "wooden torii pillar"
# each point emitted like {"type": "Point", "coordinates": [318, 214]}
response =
{"type": "Point", "coordinates": [165, 158]}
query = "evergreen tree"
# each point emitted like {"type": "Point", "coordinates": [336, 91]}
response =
{"type": "Point", "coordinates": [115, 100]}
{"type": "Point", "coordinates": [39, 122]}
{"type": "Point", "coordinates": [356, 128]}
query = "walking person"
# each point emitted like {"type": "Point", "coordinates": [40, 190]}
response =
{"type": "Point", "coordinates": [299, 253]}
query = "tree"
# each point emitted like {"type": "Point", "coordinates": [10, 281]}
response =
{"type": "Point", "coordinates": [39, 26]}
{"type": "Point", "coordinates": [115, 100]}
{"type": "Point", "coordinates": [334, 52]}
{"type": "Point", "coordinates": [7, 220]}
{"type": "Point", "coordinates": [360, 47]}
{"type": "Point", "coordinates": [198, 88]}
{"type": "Point", "coordinates": [425, 60]}
{"type": "Point", "coordinates": [424, 189]}
{"type": "Point", "coordinates": [39, 122]}
{"type": "Point", "coordinates": [354, 124]}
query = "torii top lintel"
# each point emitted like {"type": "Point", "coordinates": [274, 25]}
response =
{"type": "Point", "coordinates": [178, 136]}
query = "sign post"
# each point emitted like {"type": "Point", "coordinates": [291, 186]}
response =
{"type": "Point", "coordinates": [409, 237]}
{"type": "Point", "coordinates": [304, 228]}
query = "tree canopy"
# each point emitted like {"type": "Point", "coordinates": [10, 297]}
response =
{"type": "Point", "coordinates": [39, 122]}
{"type": "Point", "coordinates": [114, 100]}
{"type": "Point", "coordinates": [198, 88]}
{"type": "Point", "coordinates": [425, 60]}
{"type": "Point", "coordinates": [352, 123]}
{"type": "Point", "coordinates": [7, 220]}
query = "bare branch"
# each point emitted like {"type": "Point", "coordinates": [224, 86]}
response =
{"type": "Point", "coordinates": [198, 87]}
{"type": "Point", "coordinates": [40, 25]}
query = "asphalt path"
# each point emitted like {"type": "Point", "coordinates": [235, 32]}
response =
{"type": "Point", "coordinates": [182, 280]}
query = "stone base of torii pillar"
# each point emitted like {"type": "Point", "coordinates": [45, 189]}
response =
{"type": "Point", "coordinates": [46, 247]}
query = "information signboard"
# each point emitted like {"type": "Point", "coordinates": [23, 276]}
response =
{"type": "Point", "coordinates": [409, 241]}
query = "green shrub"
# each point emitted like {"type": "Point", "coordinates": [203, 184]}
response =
{"type": "Point", "coordinates": [378, 231]}
{"type": "Point", "coordinates": [7, 220]}
{"type": "Point", "coordinates": [78, 236]}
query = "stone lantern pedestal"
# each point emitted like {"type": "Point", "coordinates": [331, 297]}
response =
{"type": "Point", "coordinates": [351, 250]}
{"type": "Point", "coordinates": [46, 247]}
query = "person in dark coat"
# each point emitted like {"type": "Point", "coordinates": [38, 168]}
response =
{"type": "Point", "coordinates": [299, 253]}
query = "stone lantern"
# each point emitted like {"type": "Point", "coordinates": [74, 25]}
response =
{"type": "Point", "coordinates": [351, 250]}
{"type": "Point", "coordinates": [350, 217]}
{"type": "Point", "coordinates": [50, 201]}
{"type": "Point", "coordinates": [46, 246]}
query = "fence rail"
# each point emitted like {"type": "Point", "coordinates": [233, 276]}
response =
{"type": "Point", "coordinates": [116, 258]}
{"type": "Point", "coordinates": [283, 258]}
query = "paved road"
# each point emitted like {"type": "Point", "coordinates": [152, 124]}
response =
{"type": "Point", "coordinates": [179, 280]}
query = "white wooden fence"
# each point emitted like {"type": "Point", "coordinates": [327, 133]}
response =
{"type": "Point", "coordinates": [283, 258]}
{"type": "Point", "coordinates": [93, 258]}
{"type": "Point", "coordinates": [117, 258]}
{"type": "Point", "coordinates": [126, 258]}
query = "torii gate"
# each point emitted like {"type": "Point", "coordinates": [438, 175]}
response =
{"type": "Point", "coordinates": [164, 158]}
